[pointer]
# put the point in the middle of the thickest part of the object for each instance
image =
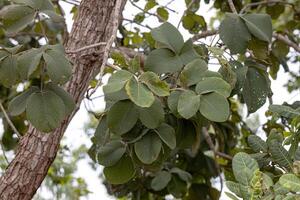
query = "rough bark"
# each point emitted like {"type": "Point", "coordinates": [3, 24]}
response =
{"type": "Point", "coordinates": [37, 150]}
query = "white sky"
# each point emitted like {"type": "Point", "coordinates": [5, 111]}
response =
{"type": "Point", "coordinates": [75, 135]}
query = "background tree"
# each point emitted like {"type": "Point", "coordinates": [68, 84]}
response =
{"type": "Point", "coordinates": [170, 124]}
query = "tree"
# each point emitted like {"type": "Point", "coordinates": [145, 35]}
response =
{"type": "Point", "coordinates": [170, 123]}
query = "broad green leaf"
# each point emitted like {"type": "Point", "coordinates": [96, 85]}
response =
{"type": "Point", "coordinates": [163, 61]}
{"type": "Point", "coordinates": [260, 25]}
{"type": "Point", "coordinates": [9, 71]}
{"type": "Point", "coordinates": [167, 135]}
{"type": "Point", "coordinates": [117, 81]}
{"type": "Point", "coordinates": [58, 67]}
{"type": "Point", "coordinates": [37, 4]}
{"type": "Point", "coordinates": [259, 48]}
{"type": "Point", "coordinates": [280, 155]}
{"type": "Point", "coordinates": [213, 84]}
{"type": "Point", "coordinates": [28, 62]}
{"type": "Point", "coordinates": [16, 17]}
{"type": "Point", "coordinates": [54, 16]}
{"type": "Point", "coordinates": [234, 187]}
{"type": "Point", "coordinates": [45, 110]}
{"type": "Point", "coordinates": [214, 107]}
{"type": "Point", "coordinates": [109, 154]}
{"type": "Point", "coordinates": [139, 94]}
{"type": "Point", "coordinates": [284, 111]}
{"type": "Point", "coordinates": [64, 95]}
{"type": "Point", "coordinates": [168, 35]}
{"type": "Point", "coordinates": [161, 180]}
{"type": "Point", "coordinates": [188, 104]}
{"type": "Point", "coordinates": [163, 13]}
{"type": "Point", "coordinates": [183, 175]}
{"type": "Point", "coordinates": [192, 72]}
{"type": "Point", "coordinates": [244, 168]}
{"type": "Point", "coordinates": [290, 182]}
{"type": "Point", "coordinates": [234, 33]}
{"type": "Point", "coordinates": [267, 182]}
{"type": "Point", "coordinates": [255, 90]}
{"type": "Point", "coordinates": [177, 187]}
{"type": "Point", "coordinates": [122, 117]}
{"type": "Point", "coordinates": [257, 144]}
{"type": "Point", "coordinates": [157, 86]}
{"type": "Point", "coordinates": [102, 132]}
{"type": "Point", "coordinates": [18, 104]}
{"type": "Point", "coordinates": [228, 74]}
{"type": "Point", "coordinates": [148, 148]}
{"type": "Point", "coordinates": [188, 53]}
{"type": "Point", "coordinates": [153, 116]}
{"type": "Point", "coordinates": [120, 173]}
{"type": "Point", "coordinates": [173, 101]}
{"type": "Point", "coordinates": [241, 72]}
{"type": "Point", "coordinates": [231, 196]}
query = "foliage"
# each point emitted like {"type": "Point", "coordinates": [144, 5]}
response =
{"type": "Point", "coordinates": [170, 123]}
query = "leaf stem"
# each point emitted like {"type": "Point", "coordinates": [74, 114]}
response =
{"type": "Point", "coordinates": [10, 123]}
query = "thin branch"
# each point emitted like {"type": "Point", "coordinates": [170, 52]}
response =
{"type": "Point", "coordinates": [184, 13]}
{"type": "Point", "coordinates": [9, 121]}
{"type": "Point", "coordinates": [232, 7]}
{"type": "Point", "coordinates": [115, 24]}
{"type": "Point", "coordinates": [287, 41]}
{"type": "Point", "coordinates": [86, 48]}
{"type": "Point", "coordinates": [204, 34]}
{"type": "Point", "coordinates": [139, 24]}
{"type": "Point", "coordinates": [4, 154]}
{"type": "Point", "coordinates": [149, 13]}
{"type": "Point", "coordinates": [249, 5]}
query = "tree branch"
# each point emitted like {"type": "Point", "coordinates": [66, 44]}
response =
{"type": "Point", "coordinates": [204, 34]}
{"type": "Point", "coordinates": [249, 5]}
{"type": "Point", "coordinates": [287, 41]}
{"type": "Point", "coordinates": [232, 7]}
{"type": "Point", "coordinates": [10, 123]}
{"type": "Point", "coordinates": [85, 48]}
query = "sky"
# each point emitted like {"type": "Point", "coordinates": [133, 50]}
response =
{"type": "Point", "coordinates": [75, 135]}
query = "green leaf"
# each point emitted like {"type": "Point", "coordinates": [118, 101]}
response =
{"type": "Point", "coordinates": [284, 111]}
{"type": "Point", "coordinates": [161, 180]}
{"type": "Point", "coordinates": [177, 187]}
{"type": "Point", "coordinates": [148, 148]}
{"type": "Point", "coordinates": [102, 132]}
{"type": "Point", "coordinates": [111, 153]}
{"type": "Point", "coordinates": [158, 87]}
{"type": "Point", "coordinates": [280, 155]}
{"type": "Point", "coordinates": [163, 61]}
{"type": "Point", "coordinates": [260, 25]}
{"type": "Point", "coordinates": [290, 182]}
{"type": "Point", "coordinates": [188, 104]}
{"type": "Point", "coordinates": [37, 4]}
{"type": "Point", "coordinates": [234, 33]}
{"type": "Point", "coordinates": [168, 35]}
{"type": "Point", "coordinates": [231, 196]}
{"type": "Point", "coordinates": [213, 84]}
{"type": "Point", "coordinates": [58, 67]}
{"type": "Point", "coordinates": [188, 53]}
{"type": "Point", "coordinates": [117, 81]}
{"type": "Point", "coordinates": [241, 72]}
{"type": "Point", "coordinates": [244, 168]}
{"type": "Point", "coordinates": [192, 72]}
{"type": "Point", "coordinates": [16, 17]}
{"type": "Point", "coordinates": [150, 4]}
{"type": "Point", "coordinates": [167, 135]}
{"type": "Point", "coordinates": [45, 110]}
{"type": "Point", "coordinates": [56, 18]}
{"type": "Point", "coordinates": [122, 117]}
{"type": "Point", "coordinates": [257, 144]}
{"type": "Point", "coordinates": [173, 101]}
{"type": "Point", "coordinates": [214, 107]}
{"type": "Point", "coordinates": [259, 48]}
{"type": "Point", "coordinates": [139, 94]}
{"type": "Point", "coordinates": [183, 175]}
{"type": "Point", "coordinates": [153, 116]}
{"type": "Point", "coordinates": [28, 62]}
{"type": "Point", "coordinates": [18, 104]}
{"type": "Point", "coordinates": [9, 71]}
{"type": "Point", "coordinates": [255, 90]}
{"type": "Point", "coordinates": [120, 173]}
{"type": "Point", "coordinates": [65, 97]}
{"type": "Point", "coordinates": [163, 13]}
{"type": "Point", "coordinates": [234, 187]}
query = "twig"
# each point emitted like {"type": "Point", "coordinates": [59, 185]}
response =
{"type": "Point", "coordinates": [204, 34]}
{"type": "Point", "coordinates": [133, 22]}
{"type": "Point", "coordinates": [187, 8]}
{"type": "Point", "coordinates": [232, 7]}
{"type": "Point", "coordinates": [115, 25]}
{"type": "Point", "coordinates": [149, 13]}
{"type": "Point", "coordinates": [9, 121]}
{"type": "Point", "coordinates": [286, 41]}
{"type": "Point", "coordinates": [249, 5]}
{"type": "Point", "coordinates": [86, 48]}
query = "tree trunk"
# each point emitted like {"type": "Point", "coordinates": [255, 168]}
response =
{"type": "Point", "coordinates": [37, 150]}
